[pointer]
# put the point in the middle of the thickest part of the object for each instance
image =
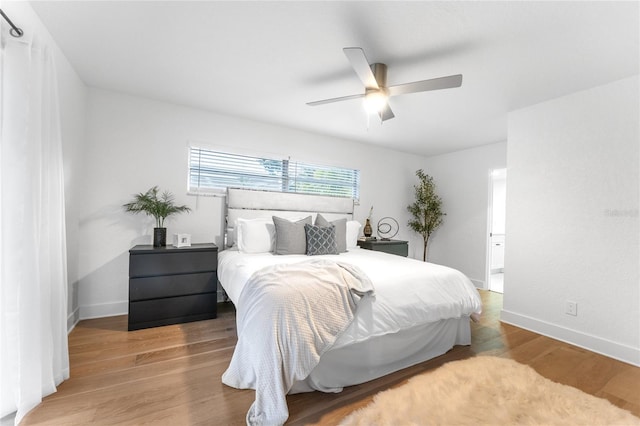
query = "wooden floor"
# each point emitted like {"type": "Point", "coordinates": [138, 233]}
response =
{"type": "Point", "coordinates": [171, 375]}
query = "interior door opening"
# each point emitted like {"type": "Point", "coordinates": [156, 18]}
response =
{"type": "Point", "coordinates": [497, 230]}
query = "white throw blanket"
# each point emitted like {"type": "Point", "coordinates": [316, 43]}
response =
{"type": "Point", "coordinates": [288, 316]}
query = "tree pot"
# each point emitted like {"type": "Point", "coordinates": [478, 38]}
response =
{"type": "Point", "coordinates": [159, 237]}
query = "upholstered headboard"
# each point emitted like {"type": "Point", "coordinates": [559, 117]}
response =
{"type": "Point", "coordinates": [253, 204]}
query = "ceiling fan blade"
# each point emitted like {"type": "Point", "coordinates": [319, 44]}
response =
{"type": "Point", "coordinates": [386, 113]}
{"type": "Point", "coordinates": [361, 66]}
{"type": "Point", "coordinates": [425, 85]}
{"type": "Point", "coordinates": [332, 100]}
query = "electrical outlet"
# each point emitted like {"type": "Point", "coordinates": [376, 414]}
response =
{"type": "Point", "coordinates": [571, 308]}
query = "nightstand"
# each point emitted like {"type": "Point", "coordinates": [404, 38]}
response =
{"type": "Point", "coordinates": [399, 247]}
{"type": "Point", "coordinates": [170, 285]}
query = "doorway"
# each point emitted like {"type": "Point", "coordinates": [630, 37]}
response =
{"type": "Point", "coordinates": [497, 230]}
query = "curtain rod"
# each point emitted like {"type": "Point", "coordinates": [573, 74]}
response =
{"type": "Point", "coordinates": [14, 31]}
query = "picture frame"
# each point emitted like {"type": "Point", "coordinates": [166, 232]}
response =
{"type": "Point", "coordinates": [182, 240]}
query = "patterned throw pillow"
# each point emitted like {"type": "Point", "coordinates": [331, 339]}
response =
{"type": "Point", "coordinates": [320, 240]}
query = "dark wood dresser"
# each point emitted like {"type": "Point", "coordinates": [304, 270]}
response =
{"type": "Point", "coordinates": [170, 285]}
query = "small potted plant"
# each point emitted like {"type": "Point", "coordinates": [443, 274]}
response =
{"type": "Point", "coordinates": [160, 207]}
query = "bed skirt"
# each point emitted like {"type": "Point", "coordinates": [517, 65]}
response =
{"type": "Point", "coordinates": [381, 355]}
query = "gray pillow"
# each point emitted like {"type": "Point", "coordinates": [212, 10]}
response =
{"type": "Point", "coordinates": [341, 231]}
{"type": "Point", "coordinates": [290, 237]}
{"type": "Point", "coordinates": [320, 240]}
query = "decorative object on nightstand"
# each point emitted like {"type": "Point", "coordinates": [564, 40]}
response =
{"type": "Point", "coordinates": [159, 207]}
{"type": "Point", "coordinates": [398, 247]}
{"type": "Point", "coordinates": [367, 230]}
{"type": "Point", "coordinates": [426, 209]}
{"type": "Point", "coordinates": [387, 228]}
{"type": "Point", "coordinates": [182, 240]}
{"type": "Point", "coordinates": [170, 285]}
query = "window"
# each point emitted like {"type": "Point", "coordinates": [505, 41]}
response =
{"type": "Point", "coordinates": [214, 171]}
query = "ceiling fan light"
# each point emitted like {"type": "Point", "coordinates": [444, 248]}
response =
{"type": "Point", "coordinates": [375, 101]}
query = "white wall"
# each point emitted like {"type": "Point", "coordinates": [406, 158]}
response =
{"type": "Point", "coordinates": [462, 179]}
{"type": "Point", "coordinates": [72, 97]}
{"type": "Point", "coordinates": [572, 219]}
{"type": "Point", "coordinates": [72, 94]}
{"type": "Point", "coordinates": [135, 143]}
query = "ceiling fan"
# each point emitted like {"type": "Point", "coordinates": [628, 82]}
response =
{"type": "Point", "coordinates": [374, 78]}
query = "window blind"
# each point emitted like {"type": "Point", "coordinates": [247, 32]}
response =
{"type": "Point", "coordinates": [214, 171]}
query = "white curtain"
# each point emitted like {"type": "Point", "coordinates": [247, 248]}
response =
{"type": "Point", "coordinates": [34, 355]}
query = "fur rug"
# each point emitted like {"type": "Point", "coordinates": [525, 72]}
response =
{"type": "Point", "coordinates": [487, 391]}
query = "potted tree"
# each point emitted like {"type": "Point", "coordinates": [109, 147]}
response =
{"type": "Point", "coordinates": [160, 207]}
{"type": "Point", "coordinates": [426, 209]}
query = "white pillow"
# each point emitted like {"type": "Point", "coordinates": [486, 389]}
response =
{"type": "Point", "coordinates": [256, 235]}
{"type": "Point", "coordinates": [353, 230]}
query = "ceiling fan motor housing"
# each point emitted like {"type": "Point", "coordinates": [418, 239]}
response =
{"type": "Point", "coordinates": [375, 98]}
{"type": "Point", "coordinates": [380, 74]}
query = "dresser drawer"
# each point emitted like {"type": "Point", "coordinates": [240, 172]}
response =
{"type": "Point", "coordinates": [171, 285]}
{"type": "Point", "coordinates": [172, 310]}
{"type": "Point", "coordinates": [397, 247]}
{"type": "Point", "coordinates": [154, 264]}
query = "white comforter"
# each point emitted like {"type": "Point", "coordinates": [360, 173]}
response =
{"type": "Point", "coordinates": [408, 292]}
{"type": "Point", "coordinates": [283, 329]}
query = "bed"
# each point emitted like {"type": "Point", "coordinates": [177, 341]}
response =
{"type": "Point", "coordinates": [378, 313]}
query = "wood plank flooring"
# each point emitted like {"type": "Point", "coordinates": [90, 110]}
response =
{"type": "Point", "coordinates": [171, 375]}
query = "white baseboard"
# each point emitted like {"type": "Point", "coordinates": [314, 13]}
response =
{"type": "Point", "coordinates": [8, 420]}
{"type": "Point", "coordinates": [72, 319]}
{"type": "Point", "coordinates": [478, 283]}
{"type": "Point", "coordinates": [605, 347]}
{"type": "Point", "coordinates": [104, 310]}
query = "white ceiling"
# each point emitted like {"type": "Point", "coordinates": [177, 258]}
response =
{"type": "Point", "coordinates": [265, 60]}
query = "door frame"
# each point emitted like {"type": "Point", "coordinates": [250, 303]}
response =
{"type": "Point", "coordinates": [489, 245]}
